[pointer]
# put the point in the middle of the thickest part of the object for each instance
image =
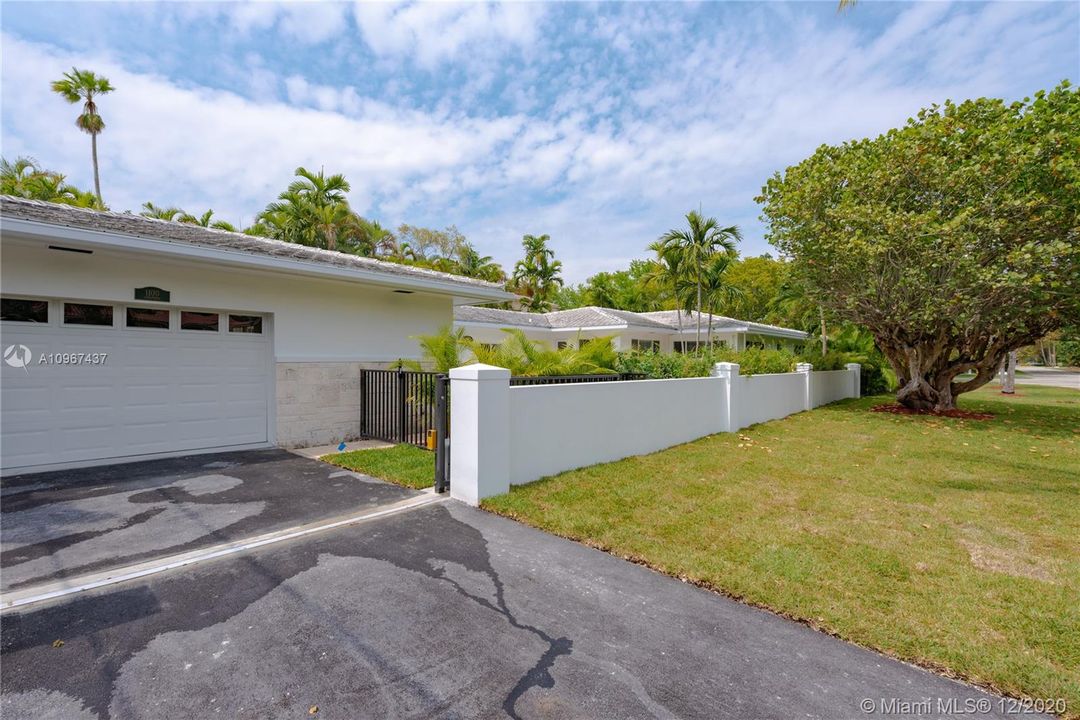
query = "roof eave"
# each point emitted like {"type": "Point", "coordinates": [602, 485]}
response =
{"type": "Point", "coordinates": [463, 293]}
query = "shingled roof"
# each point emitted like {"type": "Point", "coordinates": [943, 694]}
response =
{"type": "Point", "coordinates": [195, 235]}
{"type": "Point", "coordinates": [597, 317]}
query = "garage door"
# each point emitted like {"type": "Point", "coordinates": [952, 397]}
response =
{"type": "Point", "coordinates": [91, 381]}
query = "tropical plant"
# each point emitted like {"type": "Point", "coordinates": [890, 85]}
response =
{"type": "Point", "coordinates": [538, 275]}
{"type": "Point", "coordinates": [206, 220]}
{"type": "Point", "coordinates": [954, 240]}
{"type": "Point", "coordinates": [715, 288]}
{"type": "Point", "coordinates": [471, 263]}
{"type": "Point", "coordinates": [84, 86]}
{"type": "Point", "coordinates": [530, 358]}
{"type": "Point", "coordinates": [697, 244]}
{"type": "Point", "coordinates": [150, 210]}
{"type": "Point", "coordinates": [25, 178]}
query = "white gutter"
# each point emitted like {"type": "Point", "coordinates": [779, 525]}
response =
{"type": "Point", "coordinates": [77, 237]}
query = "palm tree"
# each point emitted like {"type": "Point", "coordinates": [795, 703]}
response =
{"type": "Point", "coordinates": [25, 178]}
{"type": "Point", "coordinates": [537, 274]}
{"type": "Point", "coordinates": [472, 264]}
{"type": "Point", "coordinates": [150, 210]}
{"type": "Point", "coordinates": [205, 220]}
{"type": "Point", "coordinates": [703, 239]}
{"type": "Point", "coordinates": [318, 189]}
{"type": "Point", "coordinates": [83, 86]}
{"type": "Point", "coordinates": [328, 221]}
{"type": "Point", "coordinates": [715, 287]}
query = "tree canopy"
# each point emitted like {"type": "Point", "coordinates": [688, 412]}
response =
{"type": "Point", "coordinates": [954, 239]}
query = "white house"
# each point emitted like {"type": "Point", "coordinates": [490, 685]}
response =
{"type": "Point", "coordinates": [659, 331]}
{"type": "Point", "coordinates": [130, 337]}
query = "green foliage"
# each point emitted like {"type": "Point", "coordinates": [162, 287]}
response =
{"type": "Point", "coordinates": [26, 179]}
{"type": "Point", "coordinates": [953, 240]}
{"type": "Point", "coordinates": [524, 357]}
{"type": "Point", "coordinates": [450, 348]}
{"type": "Point", "coordinates": [538, 275]}
{"type": "Point", "coordinates": [441, 352]}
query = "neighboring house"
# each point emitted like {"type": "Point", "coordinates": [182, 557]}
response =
{"type": "Point", "coordinates": [150, 338]}
{"type": "Point", "coordinates": [658, 331]}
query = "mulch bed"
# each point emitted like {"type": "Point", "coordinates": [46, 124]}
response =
{"type": "Point", "coordinates": [897, 409]}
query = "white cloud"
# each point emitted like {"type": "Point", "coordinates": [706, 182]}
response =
{"type": "Point", "coordinates": [434, 32]}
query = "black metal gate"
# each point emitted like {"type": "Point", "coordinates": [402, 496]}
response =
{"type": "Point", "coordinates": [397, 406]}
{"type": "Point", "coordinates": [410, 407]}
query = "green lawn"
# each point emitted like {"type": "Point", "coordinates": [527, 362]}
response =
{"type": "Point", "coordinates": [954, 544]}
{"type": "Point", "coordinates": [405, 465]}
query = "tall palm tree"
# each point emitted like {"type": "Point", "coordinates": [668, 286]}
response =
{"type": "Point", "coordinates": [84, 86]}
{"type": "Point", "coordinates": [699, 242]}
{"type": "Point", "coordinates": [715, 287]}
{"type": "Point", "coordinates": [667, 272]}
{"type": "Point", "coordinates": [538, 274]}
{"type": "Point", "coordinates": [328, 221]}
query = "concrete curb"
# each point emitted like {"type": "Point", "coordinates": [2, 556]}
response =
{"type": "Point", "coordinates": [25, 597]}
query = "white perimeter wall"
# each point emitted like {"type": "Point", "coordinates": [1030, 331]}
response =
{"type": "Point", "coordinates": [559, 427]}
{"type": "Point", "coordinates": [503, 436]}
{"type": "Point", "coordinates": [314, 320]}
{"type": "Point", "coordinates": [766, 397]}
{"type": "Point", "coordinates": [831, 385]}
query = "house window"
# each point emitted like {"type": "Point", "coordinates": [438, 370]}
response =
{"type": "Point", "coordinates": [584, 341]}
{"type": "Point", "coordinates": [28, 311]}
{"type": "Point", "coordinates": [148, 318]}
{"type": "Point", "coordinates": [87, 314]}
{"type": "Point", "coordinates": [685, 346]}
{"type": "Point", "coordinates": [198, 321]}
{"type": "Point", "coordinates": [755, 344]}
{"type": "Point", "coordinates": [645, 345]}
{"type": "Point", "coordinates": [245, 323]}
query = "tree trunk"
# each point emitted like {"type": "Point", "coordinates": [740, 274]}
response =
{"type": "Point", "coordinates": [97, 178]}
{"type": "Point", "coordinates": [1008, 386]}
{"type": "Point", "coordinates": [824, 336]}
{"type": "Point", "coordinates": [697, 337]}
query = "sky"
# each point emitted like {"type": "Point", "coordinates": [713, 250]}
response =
{"type": "Point", "coordinates": [599, 124]}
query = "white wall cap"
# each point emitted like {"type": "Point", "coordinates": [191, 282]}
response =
{"type": "Point", "coordinates": [479, 371]}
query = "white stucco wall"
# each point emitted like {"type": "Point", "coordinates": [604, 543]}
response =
{"type": "Point", "coordinates": [767, 397]}
{"type": "Point", "coordinates": [515, 435]}
{"type": "Point", "coordinates": [314, 320]}
{"type": "Point", "coordinates": [559, 427]}
{"type": "Point", "coordinates": [828, 386]}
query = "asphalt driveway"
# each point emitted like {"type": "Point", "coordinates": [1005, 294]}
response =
{"type": "Point", "coordinates": [59, 524]}
{"type": "Point", "coordinates": [443, 611]}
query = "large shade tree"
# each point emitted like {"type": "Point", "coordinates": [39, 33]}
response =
{"type": "Point", "coordinates": [954, 239]}
{"type": "Point", "coordinates": [85, 86]}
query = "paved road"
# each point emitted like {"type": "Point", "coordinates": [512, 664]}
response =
{"type": "Point", "coordinates": [58, 524]}
{"type": "Point", "coordinates": [444, 611]}
{"type": "Point", "coordinates": [1056, 377]}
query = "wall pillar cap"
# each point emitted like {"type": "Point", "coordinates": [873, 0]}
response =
{"type": "Point", "coordinates": [479, 372]}
{"type": "Point", "coordinates": [853, 366]}
{"type": "Point", "coordinates": [804, 367]}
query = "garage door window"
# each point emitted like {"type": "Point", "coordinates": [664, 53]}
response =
{"type": "Point", "coordinates": [157, 318]}
{"type": "Point", "coordinates": [87, 314]}
{"type": "Point", "coordinates": [28, 311]}
{"type": "Point", "coordinates": [245, 324]}
{"type": "Point", "coordinates": [198, 321]}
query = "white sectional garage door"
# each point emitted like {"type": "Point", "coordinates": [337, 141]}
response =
{"type": "Point", "coordinates": [135, 390]}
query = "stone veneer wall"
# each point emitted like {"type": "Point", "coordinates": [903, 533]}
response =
{"type": "Point", "coordinates": [318, 403]}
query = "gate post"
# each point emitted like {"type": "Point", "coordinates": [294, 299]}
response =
{"type": "Point", "coordinates": [442, 439]}
{"type": "Point", "coordinates": [401, 400]}
{"type": "Point", "coordinates": [856, 370]}
{"type": "Point", "coordinates": [363, 404]}
{"type": "Point", "coordinates": [730, 372]}
{"type": "Point", "coordinates": [479, 432]}
{"type": "Point", "coordinates": [808, 390]}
